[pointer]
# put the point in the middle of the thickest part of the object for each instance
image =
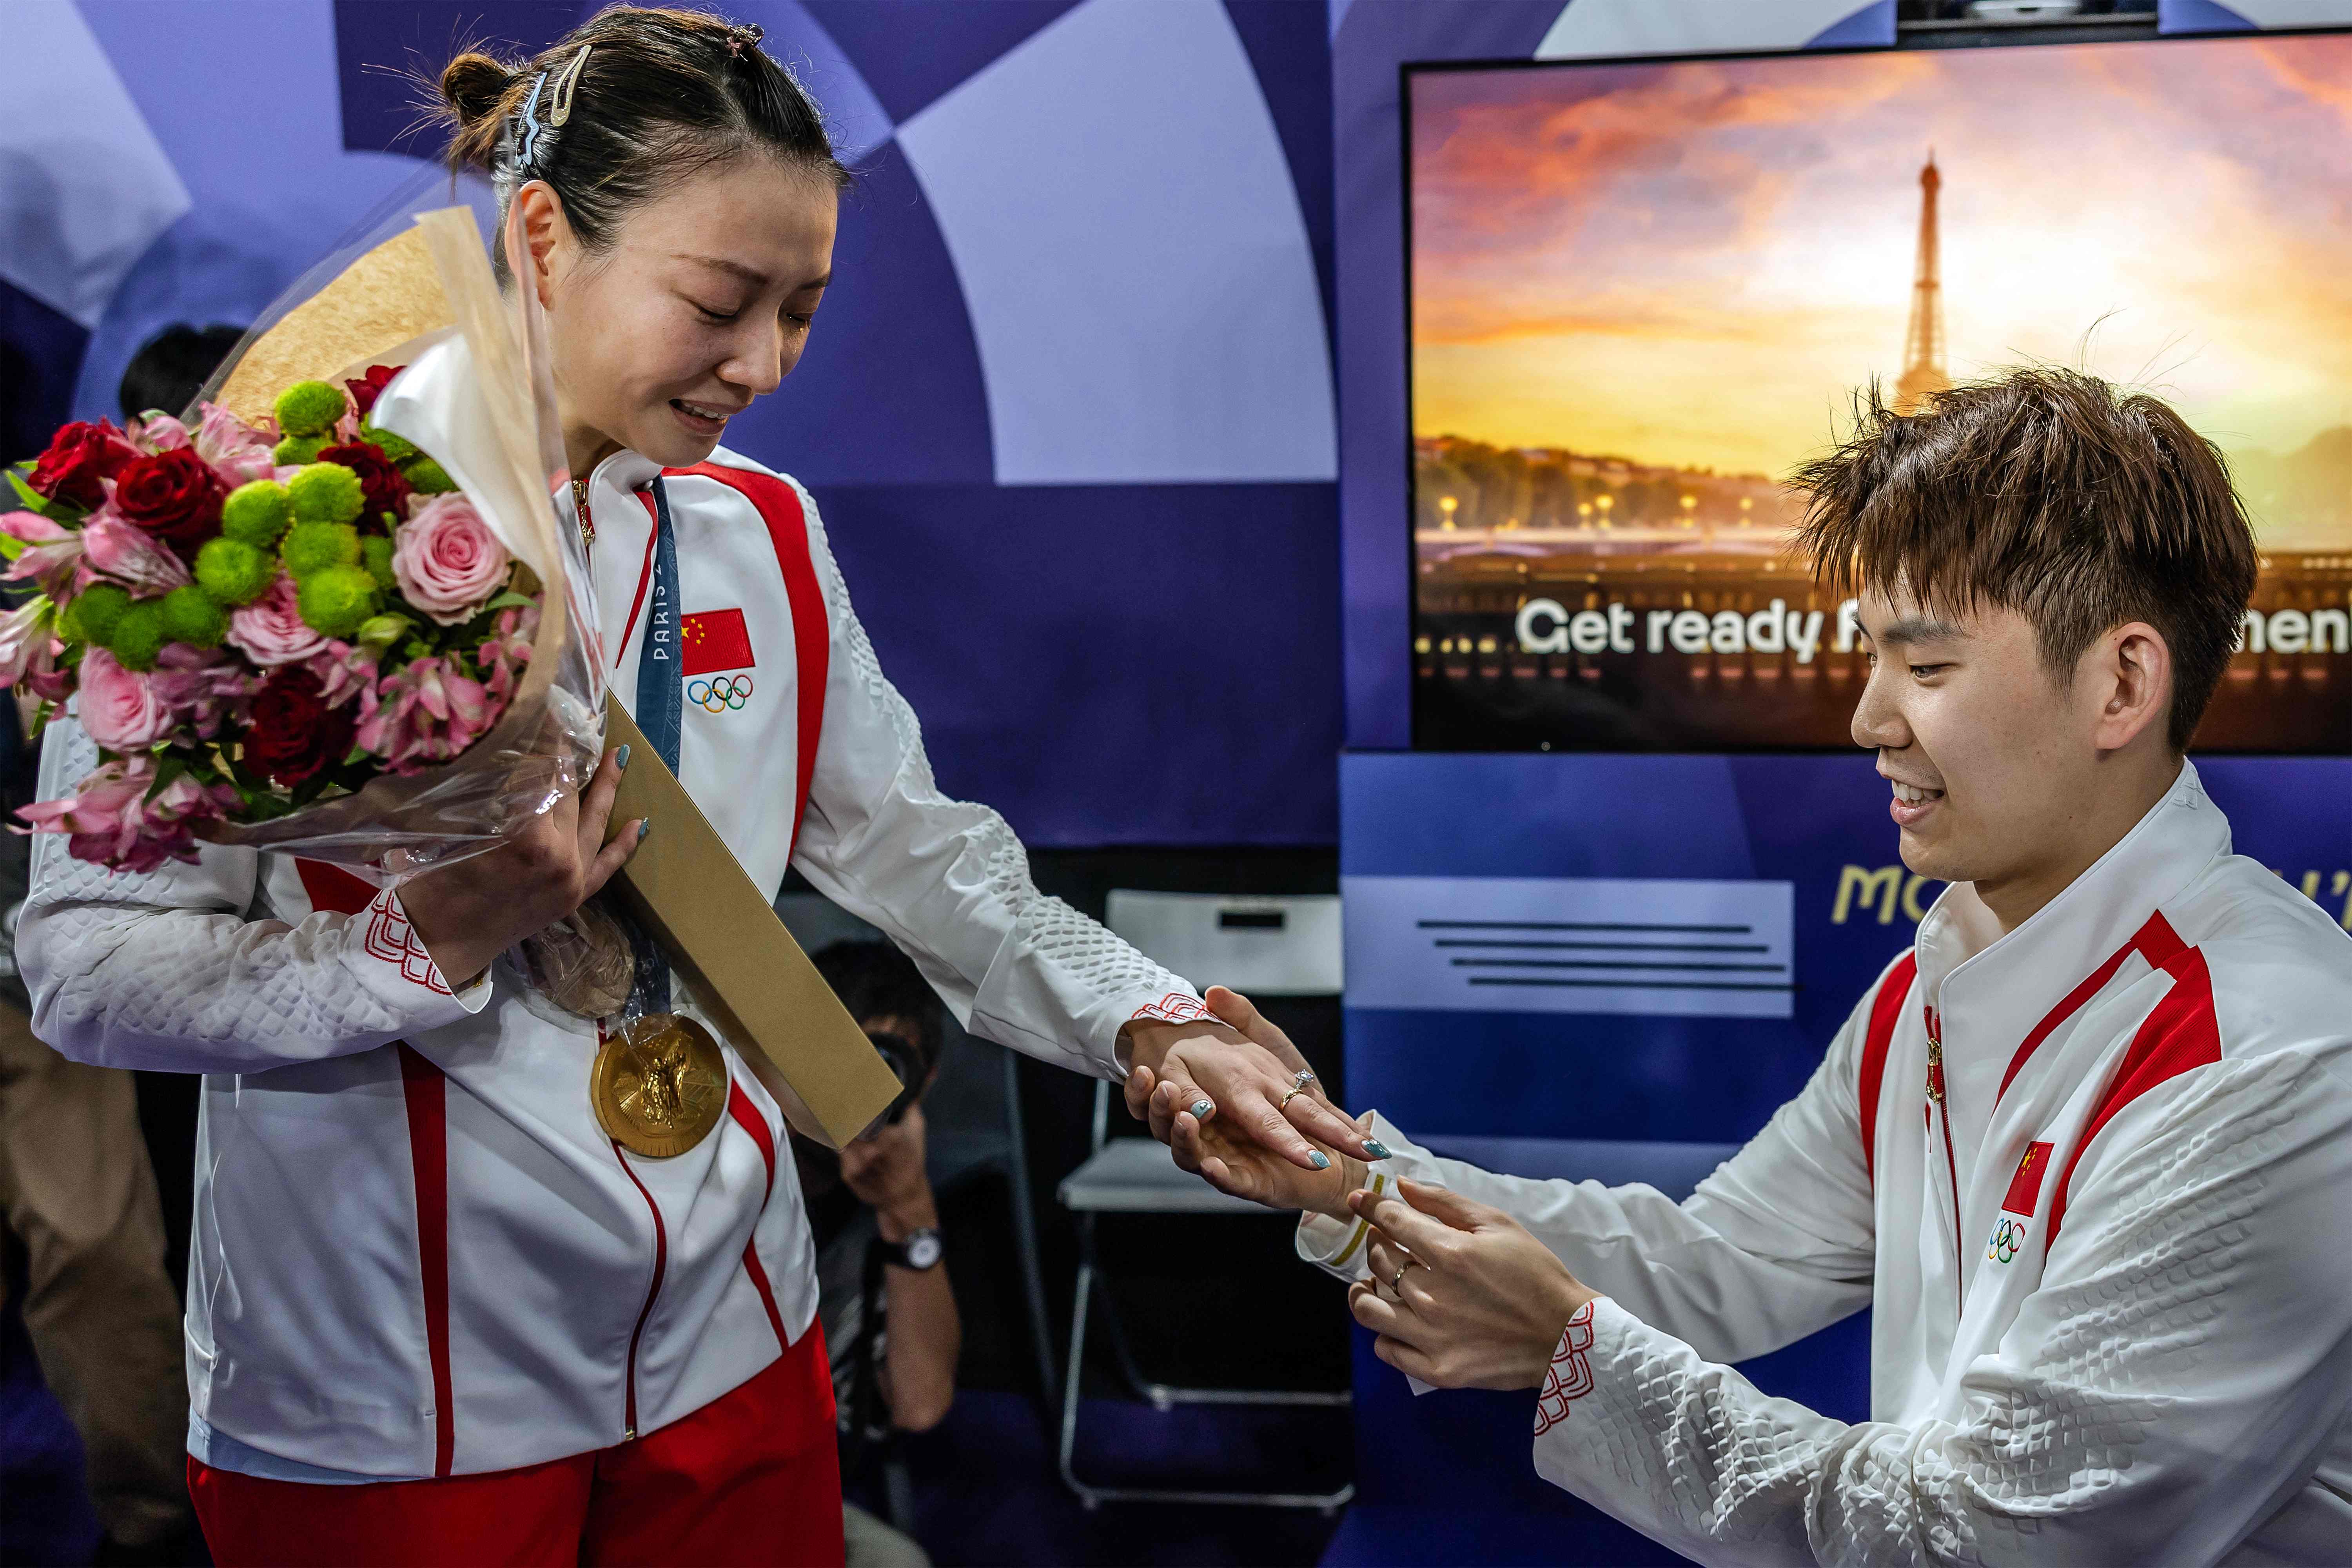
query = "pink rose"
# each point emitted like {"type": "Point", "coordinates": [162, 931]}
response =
{"type": "Point", "coordinates": [270, 629]}
{"type": "Point", "coordinates": [120, 706]}
{"type": "Point", "coordinates": [447, 559]}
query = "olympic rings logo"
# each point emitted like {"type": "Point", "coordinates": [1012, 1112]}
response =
{"type": "Point", "coordinates": [719, 694]}
{"type": "Point", "coordinates": [2008, 1238]}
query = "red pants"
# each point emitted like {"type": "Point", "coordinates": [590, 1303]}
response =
{"type": "Point", "coordinates": [752, 1478]}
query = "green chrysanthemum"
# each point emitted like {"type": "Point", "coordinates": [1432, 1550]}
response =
{"type": "Point", "coordinates": [309, 408]}
{"type": "Point", "coordinates": [137, 634]}
{"type": "Point", "coordinates": [296, 450]}
{"type": "Point", "coordinates": [315, 546]}
{"type": "Point", "coordinates": [191, 616]}
{"type": "Point", "coordinates": [336, 601]}
{"type": "Point", "coordinates": [429, 477]}
{"type": "Point", "coordinates": [258, 512]}
{"type": "Point", "coordinates": [233, 571]}
{"type": "Point", "coordinates": [326, 492]}
{"type": "Point", "coordinates": [397, 449]}
{"type": "Point", "coordinates": [90, 616]}
{"type": "Point", "coordinates": [376, 555]}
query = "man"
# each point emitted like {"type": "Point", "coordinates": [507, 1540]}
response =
{"type": "Point", "coordinates": [889, 1318]}
{"type": "Point", "coordinates": [2086, 1149]}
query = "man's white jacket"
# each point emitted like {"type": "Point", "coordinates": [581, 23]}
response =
{"type": "Point", "coordinates": [2095, 1183]}
{"type": "Point", "coordinates": [416, 1253]}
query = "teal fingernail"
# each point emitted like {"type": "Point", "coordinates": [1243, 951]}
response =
{"type": "Point", "coordinates": [1201, 1109]}
{"type": "Point", "coordinates": [644, 827]}
{"type": "Point", "coordinates": [1376, 1148]}
{"type": "Point", "coordinates": [1320, 1160]}
{"type": "Point", "coordinates": [621, 758]}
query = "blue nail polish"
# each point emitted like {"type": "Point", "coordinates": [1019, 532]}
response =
{"type": "Point", "coordinates": [1201, 1109]}
{"type": "Point", "coordinates": [1375, 1149]}
{"type": "Point", "coordinates": [1320, 1160]}
{"type": "Point", "coordinates": [621, 758]}
{"type": "Point", "coordinates": [644, 827]}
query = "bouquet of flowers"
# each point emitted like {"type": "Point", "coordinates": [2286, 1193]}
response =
{"type": "Point", "coordinates": [294, 626]}
{"type": "Point", "coordinates": [254, 617]}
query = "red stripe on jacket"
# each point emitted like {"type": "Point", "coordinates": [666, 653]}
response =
{"type": "Point", "coordinates": [2157, 942]}
{"type": "Point", "coordinates": [426, 1095]}
{"type": "Point", "coordinates": [2180, 1036]}
{"type": "Point", "coordinates": [1886, 1012]}
{"type": "Point", "coordinates": [778, 505]}
{"type": "Point", "coordinates": [747, 1116]}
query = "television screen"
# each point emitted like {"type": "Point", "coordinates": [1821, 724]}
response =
{"type": "Point", "coordinates": [1640, 294]}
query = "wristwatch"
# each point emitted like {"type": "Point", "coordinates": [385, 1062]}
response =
{"type": "Point", "coordinates": [921, 1250]}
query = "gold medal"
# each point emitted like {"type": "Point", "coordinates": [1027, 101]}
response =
{"type": "Point", "coordinates": [659, 1085]}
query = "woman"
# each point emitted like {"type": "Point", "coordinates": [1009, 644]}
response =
{"type": "Point", "coordinates": [419, 1259]}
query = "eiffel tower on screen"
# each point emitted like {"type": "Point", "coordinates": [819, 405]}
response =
{"type": "Point", "coordinates": [1923, 372]}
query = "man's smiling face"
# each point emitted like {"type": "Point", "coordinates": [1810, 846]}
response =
{"type": "Point", "coordinates": [1987, 751]}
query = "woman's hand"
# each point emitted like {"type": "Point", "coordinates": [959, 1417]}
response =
{"type": "Point", "coordinates": [1231, 1164]}
{"type": "Point", "coordinates": [468, 913]}
{"type": "Point", "coordinates": [1237, 1069]}
{"type": "Point", "coordinates": [1461, 1295]}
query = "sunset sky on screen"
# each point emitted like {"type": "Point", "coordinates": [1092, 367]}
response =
{"type": "Point", "coordinates": [1689, 264]}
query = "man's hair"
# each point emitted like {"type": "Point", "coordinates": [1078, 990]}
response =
{"type": "Point", "coordinates": [2047, 492]}
{"type": "Point", "coordinates": [874, 980]}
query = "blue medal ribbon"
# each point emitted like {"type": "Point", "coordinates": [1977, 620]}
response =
{"type": "Point", "coordinates": [661, 715]}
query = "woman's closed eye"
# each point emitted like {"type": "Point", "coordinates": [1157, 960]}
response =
{"type": "Point", "coordinates": [712, 314]}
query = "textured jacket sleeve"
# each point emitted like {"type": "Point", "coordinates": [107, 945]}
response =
{"type": "Point", "coordinates": [2172, 1382]}
{"type": "Point", "coordinates": [1779, 1242]}
{"type": "Point", "coordinates": [164, 971]}
{"type": "Point", "coordinates": [948, 882]}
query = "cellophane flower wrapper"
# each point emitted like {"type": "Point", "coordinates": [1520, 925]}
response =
{"type": "Point", "coordinates": [464, 730]}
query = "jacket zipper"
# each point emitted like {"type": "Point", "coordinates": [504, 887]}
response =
{"type": "Point", "coordinates": [587, 519]}
{"type": "Point", "coordinates": [653, 1290]}
{"type": "Point", "coordinates": [1951, 1168]}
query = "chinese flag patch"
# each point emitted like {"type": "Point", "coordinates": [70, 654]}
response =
{"type": "Point", "coordinates": [2025, 1187]}
{"type": "Point", "coordinates": [715, 640]}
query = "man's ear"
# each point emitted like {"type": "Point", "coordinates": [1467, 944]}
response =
{"type": "Point", "coordinates": [2131, 672]}
{"type": "Point", "coordinates": [544, 230]}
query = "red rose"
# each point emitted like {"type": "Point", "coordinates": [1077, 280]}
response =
{"type": "Point", "coordinates": [78, 456]}
{"type": "Point", "coordinates": [293, 732]}
{"type": "Point", "coordinates": [173, 495]}
{"type": "Point", "coordinates": [384, 488]}
{"type": "Point", "coordinates": [364, 389]}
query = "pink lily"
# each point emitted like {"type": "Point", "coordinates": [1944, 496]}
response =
{"type": "Point", "coordinates": [123, 552]}
{"type": "Point", "coordinates": [51, 554]}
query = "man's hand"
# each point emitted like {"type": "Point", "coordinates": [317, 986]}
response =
{"type": "Point", "coordinates": [885, 1170]}
{"type": "Point", "coordinates": [1238, 1067]}
{"type": "Point", "coordinates": [1479, 1302]}
{"type": "Point", "coordinates": [468, 913]}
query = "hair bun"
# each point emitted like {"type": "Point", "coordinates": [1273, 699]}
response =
{"type": "Point", "coordinates": [475, 88]}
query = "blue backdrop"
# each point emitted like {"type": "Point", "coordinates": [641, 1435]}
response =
{"type": "Point", "coordinates": [1068, 407]}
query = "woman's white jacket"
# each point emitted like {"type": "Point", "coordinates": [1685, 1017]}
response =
{"type": "Point", "coordinates": [416, 1253]}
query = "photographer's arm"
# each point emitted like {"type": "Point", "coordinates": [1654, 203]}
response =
{"type": "Point", "coordinates": [887, 1172]}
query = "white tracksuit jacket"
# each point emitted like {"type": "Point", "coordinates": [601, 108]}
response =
{"type": "Point", "coordinates": [427, 1259]}
{"type": "Point", "coordinates": [2108, 1247]}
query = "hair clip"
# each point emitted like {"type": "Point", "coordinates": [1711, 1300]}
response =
{"type": "Point", "coordinates": [528, 147]}
{"type": "Point", "coordinates": [561, 110]}
{"type": "Point", "coordinates": [749, 33]}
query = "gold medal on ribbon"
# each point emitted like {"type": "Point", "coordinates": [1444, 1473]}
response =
{"type": "Point", "coordinates": [659, 1085]}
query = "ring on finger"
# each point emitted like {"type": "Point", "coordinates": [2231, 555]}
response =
{"type": "Point", "coordinates": [1303, 1077]}
{"type": "Point", "coordinates": [1396, 1281]}
{"type": "Point", "coordinates": [1287, 1098]}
